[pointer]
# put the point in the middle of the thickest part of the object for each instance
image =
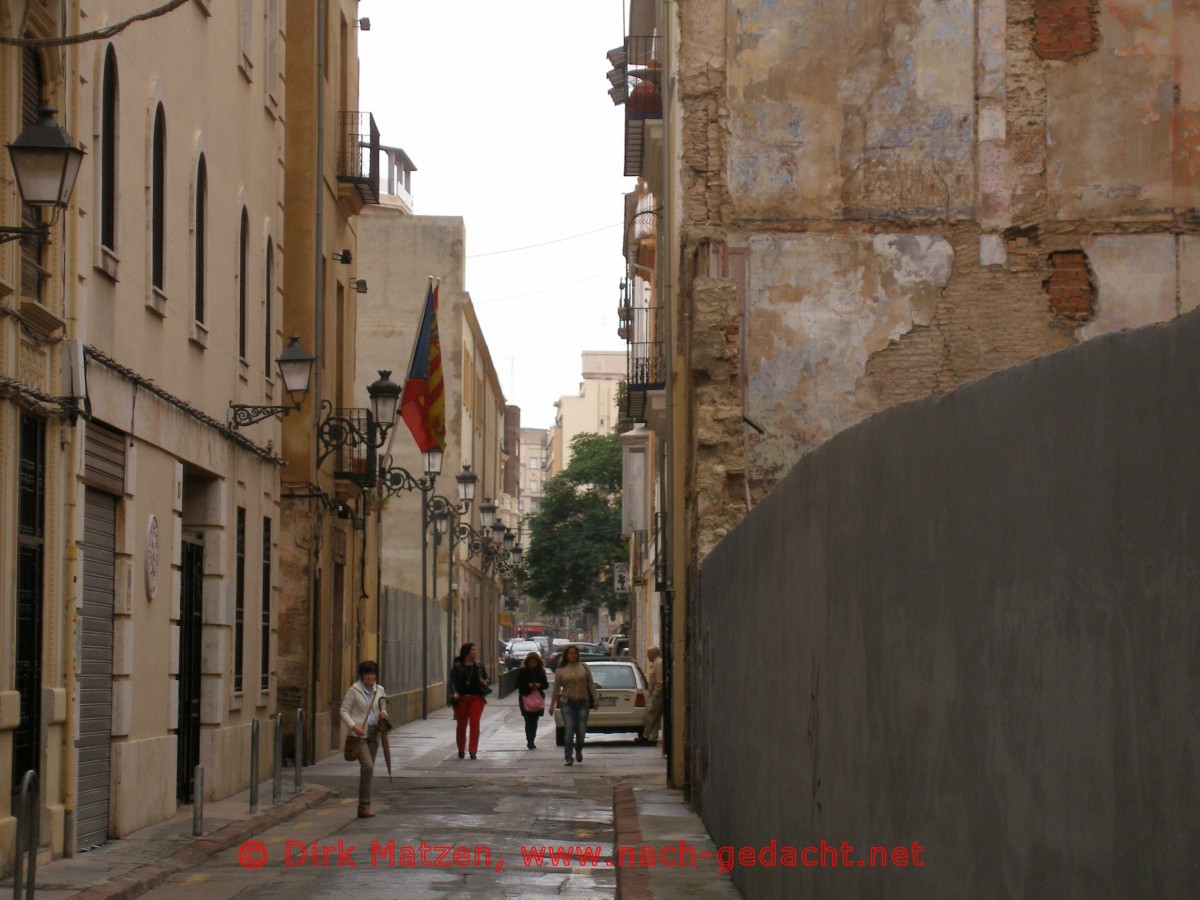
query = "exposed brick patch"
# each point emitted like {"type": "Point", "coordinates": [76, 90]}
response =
{"type": "Point", "coordinates": [1065, 29]}
{"type": "Point", "coordinates": [1070, 287]}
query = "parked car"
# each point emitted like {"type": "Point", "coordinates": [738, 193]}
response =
{"type": "Point", "coordinates": [517, 651]}
{"type": "Point", "coordinates": [586, 652]}
{"type": "Point", "coordinates": [621, 685]}
{"type": "Point", "coordinates": [617, 644]}
{"type": "Point", "coordinates": [543, 643]}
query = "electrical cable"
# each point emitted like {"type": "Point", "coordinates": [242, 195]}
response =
{"type": "Point", "coordinates": [544, 243]}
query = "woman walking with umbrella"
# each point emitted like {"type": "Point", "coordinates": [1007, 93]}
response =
{"type": "Point", "coordinates": [364, 712]}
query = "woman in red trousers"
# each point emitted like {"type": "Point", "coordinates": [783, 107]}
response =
{"type": "Point", "coordinates": [469, 684]}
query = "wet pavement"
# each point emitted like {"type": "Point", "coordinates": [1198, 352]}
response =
{"type": "Point", "coordinates": [444, 827]}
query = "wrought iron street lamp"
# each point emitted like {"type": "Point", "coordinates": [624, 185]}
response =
{"type": "Point", "coordinates": [45, 162]}
{"type": "Point", "coordinates": [295, 368]}
{"type": "Point", "coordinates": [354, 429]}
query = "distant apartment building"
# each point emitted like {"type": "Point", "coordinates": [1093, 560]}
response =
{"type": "Point", "coordinates": [593, 410]}
{"type": "Point", "coordinates": [535, 469]}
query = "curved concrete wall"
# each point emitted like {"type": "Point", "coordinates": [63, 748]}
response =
{"type": "Point", "coordinates": [972, 622]}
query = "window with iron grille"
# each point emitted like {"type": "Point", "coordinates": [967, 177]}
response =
{"type": "Point", "coordinates": [243, 293]}
{"type": "Point", "coordinates": [265, 649]}
{"type": "Point", "coordinates": [269, 293]}
{"type": "Point", "coordinates": [239, 614]}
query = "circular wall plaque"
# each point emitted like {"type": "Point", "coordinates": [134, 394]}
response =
{"type": "Point", "coordinates": [152, 558]}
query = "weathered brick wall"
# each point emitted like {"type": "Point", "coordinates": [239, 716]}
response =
{"type": "Point", "coordinates": [923, 194]}
{"type": "Point", "coordinates": [976, 618]}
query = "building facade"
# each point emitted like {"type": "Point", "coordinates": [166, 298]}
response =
{"type": "Point", "coordinates": [593, 410]}
{"type": "Point", "coordinates": [170, 560]}
{"type": "Point", "coordinates": [399, 251]}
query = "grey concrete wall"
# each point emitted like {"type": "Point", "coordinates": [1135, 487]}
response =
{"type": "Point", "coordinates": [972, 622]}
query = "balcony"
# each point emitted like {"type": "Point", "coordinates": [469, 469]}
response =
{"type": "Point", "coordinates": [636, 81]}
{"type": "Point", "coordinates": [641, 327]}
{"type": "Point", "coordinates": [358, 158]}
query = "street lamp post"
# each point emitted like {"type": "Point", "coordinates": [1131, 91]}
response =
{"type": "Point", "coordinates": [431, 509]}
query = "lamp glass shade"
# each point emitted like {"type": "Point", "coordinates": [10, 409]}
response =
{"type": "Point", "coordinates": [45, 162]}
{"type": "Point", "coordinates": [466, 485]}
{"type": "Point", "coordinates": [441, 520]}
{"type": "Point", "coordinates": [487, 512]}
{"type": "Point", "coordinates": [295, 366]}
{"type": "Point", "coordinates": [433, 461]}
{"type": "Point", "coordinates": [498, 530]}
{"type": "Point", "coordinates": [385, 398]}
{"type": "Point", "coordinates": [518, 553]}
{"type": "Point", "coordinates": [509, 538]}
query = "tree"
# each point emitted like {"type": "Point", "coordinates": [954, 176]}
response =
{"type": "Point", "coordinates": [575, 537]}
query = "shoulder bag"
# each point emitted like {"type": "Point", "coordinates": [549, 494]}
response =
{"type": "Point", "coordinates": [350, 750]}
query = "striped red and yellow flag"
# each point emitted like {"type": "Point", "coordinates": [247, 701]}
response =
{"type": "Point", "coordinates": [423, 403]}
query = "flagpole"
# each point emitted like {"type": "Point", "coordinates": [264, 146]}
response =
{"type": "Point", "coordinates": [424, 605]}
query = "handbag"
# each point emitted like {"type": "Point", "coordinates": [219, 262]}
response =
{"type": "Point", "coordinates": [350, 748]}
{"type": "Point", "coordinates": [535, 702]}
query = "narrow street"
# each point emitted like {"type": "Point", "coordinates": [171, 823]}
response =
{"type": "Point", "coordinates": [507, 799]}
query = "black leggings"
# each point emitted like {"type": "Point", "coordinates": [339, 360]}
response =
{"type": "Point", "coordinates": [531, 726]}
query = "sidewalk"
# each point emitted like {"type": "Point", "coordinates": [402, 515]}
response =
{"type": "Point", "coordinates": [130, 866]}
{"type": "Point", "coordinates": [620, 783]}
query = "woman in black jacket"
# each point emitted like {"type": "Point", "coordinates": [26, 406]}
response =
{"type": "Point", "coordinates": [532, 684]}
{"type": "Point", "coordinates": [469, 684]}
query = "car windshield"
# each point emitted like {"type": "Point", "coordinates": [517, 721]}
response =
{"type": "Point", "coordinates": [522, 646]}
{"type": "Point", "coordinates": [614, 676]}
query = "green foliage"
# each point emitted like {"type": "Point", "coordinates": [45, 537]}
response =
{"type": "Point", "coordinates": [575, 537]}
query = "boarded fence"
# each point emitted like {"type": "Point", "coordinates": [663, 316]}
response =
{"type": "Point", "coordinates": [973, 623]}
{"type": "Point", "coordinates": [400, 666]}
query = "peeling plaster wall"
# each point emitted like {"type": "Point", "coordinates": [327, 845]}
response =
{"type": "Point", "coordinates": [819, 307]}
{"type": "Point", "coordinates": [898, 174]}
{"type": "Point", "coordinates": [857, 108]}
{"type": "Point", "coordinates": [1111, 116]}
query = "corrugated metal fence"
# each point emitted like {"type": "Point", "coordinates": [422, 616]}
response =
{"type": "Point", "coordinates": [400, 668]}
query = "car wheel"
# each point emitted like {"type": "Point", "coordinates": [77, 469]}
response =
{"type": "Point", "coordinates": [558, 737]}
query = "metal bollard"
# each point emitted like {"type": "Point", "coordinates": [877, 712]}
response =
{"type": "Point", "coordinates": [277, 781]}
{"type": "Point", "coordinates": [198, 801]}
{"type": "Point", "coordinates": [299, 749]}
{"type": "Point", "coordinates": [28, 828]}
{"type": "Point", "coordinates": [254, 767]}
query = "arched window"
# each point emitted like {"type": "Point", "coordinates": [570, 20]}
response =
{"type": "Point", "coordinates": [32, 85]}
{"type": "Point", "coordinates": [108, 152]}
{"type": "Point", "coordinates": [243, 271]}
{"type": "Point", "coordinates": [158, 202]}
{"type": "Point", "coordinates": [199, 236]}
{"type": "Point", "coordinates": [269, 279]}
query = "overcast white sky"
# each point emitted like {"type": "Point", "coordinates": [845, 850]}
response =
{"type": "Point", "coordinates": [504, 110]}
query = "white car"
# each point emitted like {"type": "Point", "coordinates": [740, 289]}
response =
{"type": "Point", "coordinates": [517, 651]}
{"type": "Point", "coordinates": [622, 689]}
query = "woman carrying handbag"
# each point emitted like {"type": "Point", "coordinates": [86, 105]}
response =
{"type": "Point", "coordinates": [364, 712]}
{"type": "Point", "coordinates": [532, 684]}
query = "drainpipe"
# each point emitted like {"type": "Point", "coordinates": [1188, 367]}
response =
{"type": "Point", "coordinates": [318, 339]}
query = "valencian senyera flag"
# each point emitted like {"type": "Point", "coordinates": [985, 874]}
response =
{"type": "Point", "coordinates": [422, 405]}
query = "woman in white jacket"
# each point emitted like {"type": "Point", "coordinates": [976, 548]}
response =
{"type": "Point", "coordinates": [363, 708]}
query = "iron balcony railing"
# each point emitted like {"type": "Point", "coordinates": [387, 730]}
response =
{"type": "Point", "coordinates": [641, 327]}
{"type": "Point", "coordinates": [358, 154]}
{"type": "Point", "coordinates": [642, 96]}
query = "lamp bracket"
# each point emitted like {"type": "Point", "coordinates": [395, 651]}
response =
{"type": "Point", "coordinates": [242, 414]}
{"type": "Point", "coordinates": [10, 233]}
{"type": "Point", "coordinates": [393, 480]}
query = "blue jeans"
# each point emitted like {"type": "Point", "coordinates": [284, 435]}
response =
{"type": "Point", "coordinates": [575, 716]}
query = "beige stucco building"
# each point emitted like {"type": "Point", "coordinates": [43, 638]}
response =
{"type": "Point", "coordinates": [155, 557]}
{"type": "Point", "coordinates": [398, 252]}
{"type": "Point", "coordinates": [593, 410]}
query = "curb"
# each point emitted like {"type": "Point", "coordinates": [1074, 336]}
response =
{"type": "Point", "coordinates": [137, 881]}
{"type": "Point", "coordinates": [633, 883]}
